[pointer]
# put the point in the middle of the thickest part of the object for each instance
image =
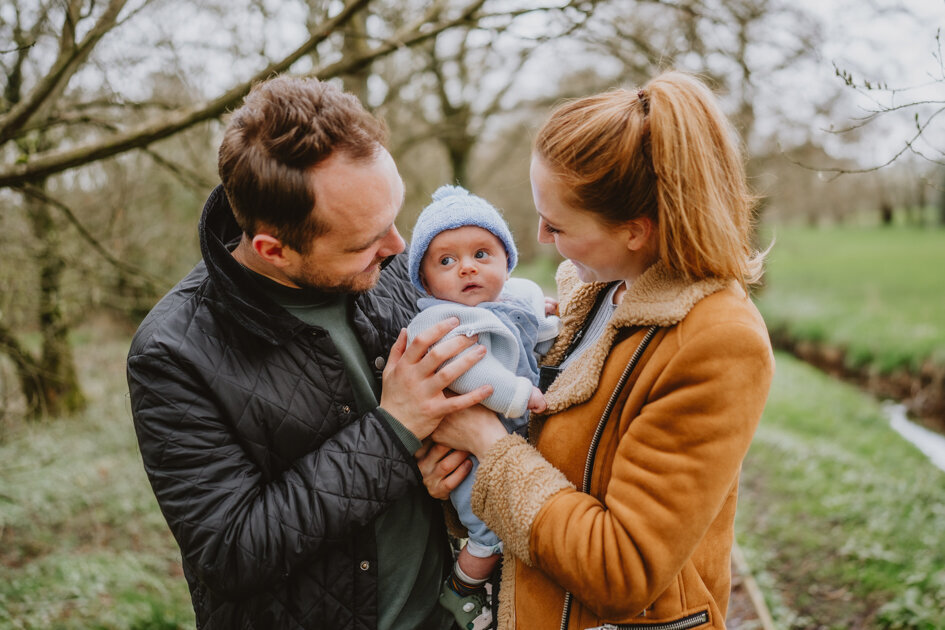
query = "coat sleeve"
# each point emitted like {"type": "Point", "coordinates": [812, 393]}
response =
{"type": "Point", "coordinates": [238, 531]}
{"type": "Point", "coordinates": [673, 470]}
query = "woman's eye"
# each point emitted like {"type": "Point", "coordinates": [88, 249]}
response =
{"type": "Point", "coordinates": [550, 229]}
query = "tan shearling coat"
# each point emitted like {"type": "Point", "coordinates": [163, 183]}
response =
{"type": "Point", "coordinates": [650, 543]}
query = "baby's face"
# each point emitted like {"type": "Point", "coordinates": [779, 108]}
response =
{"type": "Point", "coordinates": [466, 265]}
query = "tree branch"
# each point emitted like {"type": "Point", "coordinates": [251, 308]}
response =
{"type": "Point", "coordinates": [908, 145]}
{"type": "Point", "coordinates": [38, 194]}
{"type": "Point", "coordinates": [187, 177]}
{"type": "Point", "coordinates": [405, 38]}
{"type": "Point", "coordinates": [71, 56]}
{"type": "Point", "coordinates": [49, 163]}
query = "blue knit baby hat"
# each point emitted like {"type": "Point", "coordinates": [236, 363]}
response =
{"type": "Point", "coordinates": [454, 207]}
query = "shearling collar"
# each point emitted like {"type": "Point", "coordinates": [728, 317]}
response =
{"type": "Point", "coordinates": [659, 297]}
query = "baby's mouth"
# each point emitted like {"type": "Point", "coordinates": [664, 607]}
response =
{"type": "Point", "coordinates": [470, 287]}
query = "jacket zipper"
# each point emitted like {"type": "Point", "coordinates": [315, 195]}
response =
{"type": "Point", "coordinates": [595, 441]}
{"type": "Point", "coordinates": [685, 623]}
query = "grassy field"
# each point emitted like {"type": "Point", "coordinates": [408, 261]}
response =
{"type": "Point", "coordinates": [82, 543]}
{"type": "Point", "coordinates": [877, 293]}
{"type": "Point", "coordinates": [842, 520]}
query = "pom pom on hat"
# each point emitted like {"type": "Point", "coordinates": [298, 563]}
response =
{"type": "Point", "coordinates": [455, 207]}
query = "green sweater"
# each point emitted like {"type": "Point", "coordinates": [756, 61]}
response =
{"type": "Point", "coordinates": [410, 559]}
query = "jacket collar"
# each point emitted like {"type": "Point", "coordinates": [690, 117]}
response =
{"type": "Point", "coordinates": [659, 297]}
{"type": "Point", "coordinates": [233, 291]}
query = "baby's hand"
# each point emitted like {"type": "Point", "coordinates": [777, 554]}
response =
{"type": "Point", "coordinates": [551, 306]}
{"type": "Point", "coordinates": [536, 402]}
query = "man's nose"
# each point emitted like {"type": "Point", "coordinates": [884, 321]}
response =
{"type": "Point", "coordinates": [393, 243]}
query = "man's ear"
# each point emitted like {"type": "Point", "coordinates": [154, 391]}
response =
{"type": "Point", "coordinates": [640, 233]}
{"type": "Point", "coordinates": [271, 249]}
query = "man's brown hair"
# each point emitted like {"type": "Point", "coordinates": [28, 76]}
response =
{"type": "Point", "coordinates": [286, 127]}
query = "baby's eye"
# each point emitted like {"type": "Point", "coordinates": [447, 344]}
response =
{"type": "Point", "coordinates": [482, 254]}
{"type": "Point", "coordinates": [447, 260]}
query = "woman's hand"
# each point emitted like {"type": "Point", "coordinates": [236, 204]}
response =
{"type": "Point", "coordinates": [442, 468]}
{"type": "Point", "coordinates": [474, 430]}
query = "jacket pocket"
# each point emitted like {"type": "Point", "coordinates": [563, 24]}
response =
{"type": "Point", "coordinates": [684, 623]}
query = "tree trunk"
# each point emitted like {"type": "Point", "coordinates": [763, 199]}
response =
{"type": "Point", "coordinates": [356, 46]}
{"type": "Point", "coordinates": [49, 382]}
{"type": "Point", "coordinates": [885, 214]}
{"type": "Point", "coordinates": [941, 208]}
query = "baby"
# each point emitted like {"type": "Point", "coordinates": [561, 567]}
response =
{"type": "Point", "coordinates": [461, 254]}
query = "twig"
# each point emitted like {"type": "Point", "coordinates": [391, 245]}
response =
{"type": "Point", "coordinates": [36, 193]}
{"type": "Point", "coordinates": [754, 592]}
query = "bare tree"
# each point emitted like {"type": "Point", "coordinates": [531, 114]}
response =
{"type": "Point", "coordinates": [889, 100]}
{"type": "Point", "coordinates": [65, 117]}
{"type": "Point", "coordinates": [882, 105]}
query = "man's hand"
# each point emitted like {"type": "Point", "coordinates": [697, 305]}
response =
{"type": "Point", "coordinates": [442, 468]}
{"type": "Point", "coordinates": [413, 384]}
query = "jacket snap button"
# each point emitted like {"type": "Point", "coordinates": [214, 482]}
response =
{"type": "Point", "coordinates": [379, 363]}
{"type": "Point", "coordinates": [365, 565]}
{"type": "Point", "coordinates": [346, 409]}
{"type": "Point", "coordinates": [468, 606]}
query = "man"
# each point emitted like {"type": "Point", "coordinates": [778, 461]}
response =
{"type": "Point", "coordinates": [285, 472]}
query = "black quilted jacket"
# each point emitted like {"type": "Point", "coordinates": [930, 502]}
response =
{"type": "Point", "coordinates": [267, 476]}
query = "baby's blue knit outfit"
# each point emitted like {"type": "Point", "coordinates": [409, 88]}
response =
{"type": "Point", "coordinates": [515, 332]}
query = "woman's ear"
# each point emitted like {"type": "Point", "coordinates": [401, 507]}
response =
{"type": "Point", "coordinates": [640, 233]}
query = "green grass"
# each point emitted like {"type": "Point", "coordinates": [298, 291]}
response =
{"type": "Point", "coordinates": [842, 520]}
{"type": "Point", "coordinates": [877, 293]}
{"type": "Point", "coordinates": [540, 269]}
{"type": "Point", "coordinates": [82, 542]}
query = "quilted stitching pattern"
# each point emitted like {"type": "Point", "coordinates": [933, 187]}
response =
{"type": "Point", "coordinates": [266, 475]}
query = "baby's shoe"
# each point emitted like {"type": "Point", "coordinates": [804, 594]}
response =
{"type": "Point", "coordinates": [471, 612]}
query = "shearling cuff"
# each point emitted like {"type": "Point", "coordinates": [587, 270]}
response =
{"type": "Point", "coordinates": [512, 484]}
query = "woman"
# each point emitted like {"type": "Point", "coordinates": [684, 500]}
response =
{"type": "Point", "coordinates": [619, 508]}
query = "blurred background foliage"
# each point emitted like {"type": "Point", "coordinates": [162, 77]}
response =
{"type": "Point", "coordinates": [111, 114]}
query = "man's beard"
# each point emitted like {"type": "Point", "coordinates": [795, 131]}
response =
{"type": "Point", "coordinates": [314, 278]}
